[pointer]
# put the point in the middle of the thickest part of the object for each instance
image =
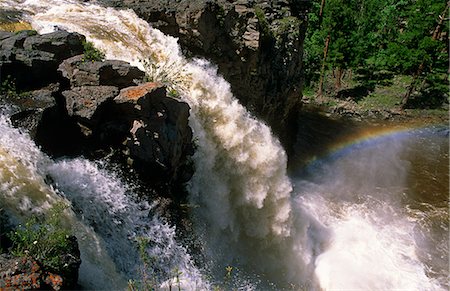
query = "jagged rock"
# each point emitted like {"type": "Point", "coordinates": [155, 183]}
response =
{"type": "Point", "coordinates": [257, 46]}
{"type": "Point", "coordinates": [158, 138]}
{"type": "Point", "coordinates": [31, 60]}
{"type": "Point", "coordinates": [61, 44]}
{"type": "Point", "coordinates": [20, 273]}
{"type": "Point", "coordinates": [25, 273]}
{"type": "Point", "coordinates": [83, 101]}
{"type": "Point", "coordinates": [32, 107]}
{"type": "Point", "coordinates": [100, 73]}
{"type": "Point", "coordinates": [5, 34]}
{"type": "Point", "coordinates": [83, 112]}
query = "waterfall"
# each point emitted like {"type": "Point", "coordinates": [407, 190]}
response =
{"type": "Point", "coordinates": [244, 209]}
{"type": "Point", "coordinates": [240, 180]}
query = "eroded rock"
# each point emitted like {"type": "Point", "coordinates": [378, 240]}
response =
{"type": "Point", "coordinates": [31, 60]}
{"type": "Point", "coordinates": [100, 73]}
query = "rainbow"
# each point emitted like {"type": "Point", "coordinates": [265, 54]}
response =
{"type": "Point", "coordinates": [373, 136]}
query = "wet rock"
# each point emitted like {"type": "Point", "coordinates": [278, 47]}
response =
{"type": "Point", "coordinates": [85, 112]}
{"type": "Point", "coordinates": [61, 44]}
{"type": "Point", "coordinates": [100, 73]}
{"type": "Point", "coordinates": [5, 34]}
{"type": "Point", "coordinates": [32, 107]}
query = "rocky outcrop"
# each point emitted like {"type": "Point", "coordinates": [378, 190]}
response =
{"type": "Point", "coordinates": [93, 107]}
{"type": "Point", "coordinates": [159, 139]}
{"type": "Point", "coordinates": [257, 46]}
{"type": "Point", "coordinates": [32, 60]}
{"type": "Point", "coordinates": [26, 274]}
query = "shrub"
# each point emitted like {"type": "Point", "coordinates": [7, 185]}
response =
{"type": "Point", "coordinates": [91, 53]}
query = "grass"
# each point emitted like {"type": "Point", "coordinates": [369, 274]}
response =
{"type": "Point", "coordinates": [15, 26]}
{"type": "Point", "coordinates": [44, 239]}
{"type": "Point", "coordinates": [387, 96]}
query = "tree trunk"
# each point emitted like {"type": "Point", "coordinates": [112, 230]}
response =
{"type": "Point", "coordinates": [322, 6]}
{"type": "Point", "coordinates": [436, 35]}
{"type": "Point", "coordinates": [338, 76]}
{"type": "Point", "coordinates": [322, 71]}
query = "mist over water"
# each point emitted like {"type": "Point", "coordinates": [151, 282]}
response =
{"type": "Point", "coordinates": [364, 195]}
{"type": "Point", "coordinates": [353, 222]}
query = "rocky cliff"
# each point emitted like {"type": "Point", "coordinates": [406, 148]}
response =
{"type": "Point", "coordinates": [257, 46]}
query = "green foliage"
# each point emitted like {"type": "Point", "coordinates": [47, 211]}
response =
{"type": "Point", "coordinates": [91, 53]}
{"type": "Point", "coordinates": [46, 240]}
{"type": "Point", "coordinates": [286, 32]}
{"type": "Point", "coordinates": [9, 89]}
{"type": "Point", "coordinates": [379, 35]}
{"type": "Point", "coordinates": [173, 93]}
{"type": "Point", "coordinates": [262, 20]}
{"type": "Point", "coordinates": [170, 74]}
{"type": "Point", "coordinates": [146, 281]}
{"type": "Point", "coordinates": [149, 279]}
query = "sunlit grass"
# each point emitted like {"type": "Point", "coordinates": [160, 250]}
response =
{"type": "Point", "coordinates": [15, 26]}
{"type": "Point", "coordinates": [387, 96]}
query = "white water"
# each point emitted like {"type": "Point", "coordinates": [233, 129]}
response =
{"type": "Point", "coordinates": [104, 215]}
{"type": "Point", "coordinates": [245, 215]}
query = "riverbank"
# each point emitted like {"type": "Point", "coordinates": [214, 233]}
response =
{"type": "Point", "coordinates": [379, 100]}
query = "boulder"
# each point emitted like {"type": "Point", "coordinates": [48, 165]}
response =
{"type": "Point", "coordinates": [158, 139]}
{"type": "Point", "coordinates": [100, 73]}
{"type": "Point", "coordinates": [32, 106]}
{"type": "Point", "coordinates": [83, 101]}
{"type": "Point", "coordinates": [61, 44]}
{"type": "Point", "coordinates": [95, 108]}
{"type": "Point", "coordinates": [31, 60]}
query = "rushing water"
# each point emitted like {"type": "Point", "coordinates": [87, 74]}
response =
{"type": "Point", "coordinates": [353, 221]}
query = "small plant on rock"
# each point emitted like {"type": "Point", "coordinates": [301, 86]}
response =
{"type": "Point", "coordinates": [45, 240]}
{"type": "Point", "coordinates": [91, 53]}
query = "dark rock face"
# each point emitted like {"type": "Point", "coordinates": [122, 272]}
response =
{"type": "Point", "coordinates": [106, 73]}
{"type": "Point", "coordinates": [31, 60]}
{"type": "Point", "coordinates": [159, 138]}
{"type": "Point", "coordinates": [257, 46]}
{"type": "Point", "coordinates": [83, 101]}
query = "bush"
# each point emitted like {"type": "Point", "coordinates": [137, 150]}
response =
{"type": "Point", "coordinates": [91, 53]}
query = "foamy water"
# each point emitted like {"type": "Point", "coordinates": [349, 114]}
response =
{"type": "Point", "coordinates": [344, 230]}
{"type": "Point", "coordinates": [104, 214]}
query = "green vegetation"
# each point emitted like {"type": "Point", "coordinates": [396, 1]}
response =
{"type": "Point", "coordinates": [46, 240]}
{"type": "Point", "coordinates": [8, 86]}
{"type": "Point", "coordinates": [386, 95]}
{"type": "Point", "coordinates": [375, 40]}
{"type": "Point", "coordinates": [9, 89]}
{"type": "Point", "coordinates": [91, 53]}
{"type": "Point", "coordinates": [148, 276]}
{"type": "Point", "coordinates": [171, 74]}
{"type": "Point", "coordinates": [264, 24]}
